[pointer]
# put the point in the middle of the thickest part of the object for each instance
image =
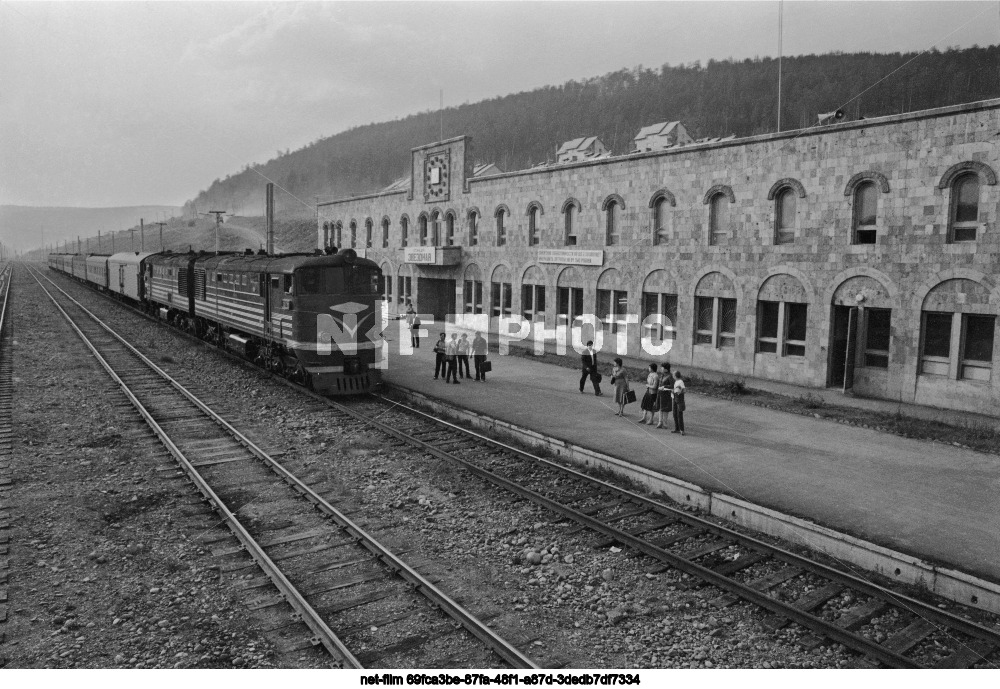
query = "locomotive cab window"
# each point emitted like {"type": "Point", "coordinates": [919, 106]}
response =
{"type": "Point", "coordinates": [318, 281]}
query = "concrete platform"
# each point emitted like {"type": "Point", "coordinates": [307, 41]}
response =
{"type": "Point", "coordinates": [936, 503]}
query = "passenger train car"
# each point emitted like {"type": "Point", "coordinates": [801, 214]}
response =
{"type": "Point", "coordinates": [314, 318]}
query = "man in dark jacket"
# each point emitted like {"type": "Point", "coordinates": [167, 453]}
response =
{"type": "Point", "coordinates": [479, 356]}
{"type": "Point", "coordinates": [588, 360]}
{"type": "Point", "coordinates": [440, 349]}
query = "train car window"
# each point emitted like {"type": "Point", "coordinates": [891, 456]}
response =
{"type": "Point", "coordinates": [288, 284]}
{"type": "Point", "coordinates": [275, 281]}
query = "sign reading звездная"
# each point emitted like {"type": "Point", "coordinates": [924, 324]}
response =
{"type": "Point", "coordinates": [419, 254]}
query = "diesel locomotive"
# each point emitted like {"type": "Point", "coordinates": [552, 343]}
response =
{"type": "Point", "coordinates": [314, 318]}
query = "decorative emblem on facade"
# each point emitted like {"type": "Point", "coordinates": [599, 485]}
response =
{"type": "Point", "coordinates": [437, 176]}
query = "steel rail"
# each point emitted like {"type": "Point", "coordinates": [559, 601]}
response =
{"type": "Point", "coordinates": [816, 624]}
{"type": "Point", "coordinates": [917, 607]}
{"type": "Point", "coordinates": [928, 612]}
{"type": "Point", "coordinates": [466, 619]}
{"type": "Point", "coordinates": [323, 634]}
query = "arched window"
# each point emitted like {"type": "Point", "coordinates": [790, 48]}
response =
{"type": "Point", "coordinates": [865, 209]}
{"type": "Point", "coordinates": [501, 227]}
{"type": "Point", "coordinates": [404, 231]}
{"type": "Point", "coordinates": [660, 229]}
{"type": "Point", "coordinates": [354, 234]}
{"type": "Point", "coordinates": [340, 234]}
{"type": "Point", "coordinates": [473, 228]}
{"type": "Point", "coordinates": [570, 214]}
{"type": "Point", "coordinates": [534, 233]}
{"type": "Point", "coordinates": [435, 229]}
{"type": "Point", "coordinates": [612, 235]}
{"type": "Point", "coordinates": [718, 219]}
{"type": "Point", "coordinates": [784, 216]}
{"type": "Point", "coordinates": [385, 233]}
{"type": "Point", "coordinates": [326, 234]}
{"type": "Point", "coordinates": [368, 233]}
{"type": "Point", "coordinates": [963, 218]}
{"type": "Point", "coordinates": [449, 229]}
{"type": "Point", "coordinates": [422, 229]}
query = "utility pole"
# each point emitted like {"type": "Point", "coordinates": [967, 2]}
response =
{"type": "Point", "coordinates": [131, 239]}
{"type": "Point", "coordinates": [161, 224]}
{"type": "Point", "coordinates": [112, 241]}
{"type": "Point", "coordinates": [79, 246]}
{"type": "Point", "coordinates": [142, 235]}
{"type": "Point", "coordinates": [269, 216]}
{"type": "Point", "coordinates": [218, 221]}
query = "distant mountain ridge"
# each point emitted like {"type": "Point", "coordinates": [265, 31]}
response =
{"type": "Point", "coordinates": [27, 227]}
{"type": "Point", "coordinates": [515, 131]}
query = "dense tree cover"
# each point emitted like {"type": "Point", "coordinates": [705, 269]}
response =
{"type": "Point", "coordinates": [717, 99]}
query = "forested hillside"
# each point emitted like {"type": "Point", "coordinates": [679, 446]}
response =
{"type": "Point", "coordinates": [717, 99]}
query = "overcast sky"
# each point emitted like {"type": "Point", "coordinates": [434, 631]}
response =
{"type": "Point", "coordinates": [112, 104]}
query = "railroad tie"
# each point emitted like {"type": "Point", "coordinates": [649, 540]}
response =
{"type": "Point", "coordinates": [966, 656]}
{"type": "Point", "coordinates": [761, 584]}
{"type": "Point", "coordinates": [808, 603]}
{"type": "Point", "coordinates": [852, 619]}
{"type": "Point", "coordinates": [638, 531]}
{"type": "Point", "coordinates": [909, 637]}
{"type": "Point", "coordinates": [733, 566]}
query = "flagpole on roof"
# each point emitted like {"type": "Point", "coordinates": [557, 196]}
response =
{"type": "Point", "coordinates": [781, 11]}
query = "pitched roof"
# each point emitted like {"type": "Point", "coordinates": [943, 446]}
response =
{"type": "Point", "coordinates": [655, 129]}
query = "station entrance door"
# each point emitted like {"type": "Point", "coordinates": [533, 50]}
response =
{"type": "Point", "coordinates": [843, 347]}
{"type": "Point", "coordinates": [436, 297]}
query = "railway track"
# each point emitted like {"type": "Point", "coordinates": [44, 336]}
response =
{"type": "Point", "coordinates": [321, 568]}
{"type": "Point", "coordinates": [6, 430]}
{"type": "Point", "coordinates": [730, 566]}
{"type": "Point", "coordinates": [885, 627]}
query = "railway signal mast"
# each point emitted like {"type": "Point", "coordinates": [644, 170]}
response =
{"type": "Point", "coordinates": [218, 221]}
{"type": "Point", "coordinates": [161, 224]}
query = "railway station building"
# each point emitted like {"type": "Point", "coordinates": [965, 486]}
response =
{"type": "Point", "coordinates": [861, 254]}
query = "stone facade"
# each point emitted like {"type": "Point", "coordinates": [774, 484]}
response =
{"type": "Point", "coordinates": [909, 163]}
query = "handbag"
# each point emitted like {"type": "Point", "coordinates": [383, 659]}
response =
{"type": "Point", "coordinates": [486, 367]}
{"type": "Point", "coordinates": [598, 377]}
{"type": "Point", "coordinates": [629, 396]}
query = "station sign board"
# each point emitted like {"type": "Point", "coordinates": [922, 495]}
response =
{"type": "Point", "coordinates": [425, 255]}
{"type": "Point", "coordinates": [572, 257]}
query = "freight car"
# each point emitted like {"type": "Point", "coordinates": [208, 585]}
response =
{"type": "Point", "coordinates": [314, 318]}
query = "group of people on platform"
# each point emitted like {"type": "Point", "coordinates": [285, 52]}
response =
{"type": "Point", "coordinates": [664, 390]}
{"type": "Point", "coordinates": [452, 357]}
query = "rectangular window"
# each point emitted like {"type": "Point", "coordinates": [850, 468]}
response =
{"type": "Point", "coordinates": [795, 330]}
{"type": "Point", "coordinates": [767, 326]}
{"type": "Point", "coordinates": [936, 354]}
{"type": "Point", "coordinates": [500, 297]}
{"type": "Point", "coordinates": [704, 308]}
{"type": "Point", "coordinates": [473, 296]}
{"type": "Point", "coordinates": [533, 302]}
{"type": "Point", "coordinates": [977, 347]}
{"type": "Point", "coordinates": [665, 305]}
{"type": "Point", "coordinates": [727, 322]}
{"type": "Point", "coordinates": [604, 311]}
{"type": "Point", "coordinates": [877, 335]}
